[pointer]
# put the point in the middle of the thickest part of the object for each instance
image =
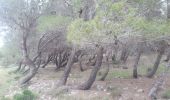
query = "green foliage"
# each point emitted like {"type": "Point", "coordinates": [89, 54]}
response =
{"type": "Point", "coordinates": [150, 28]}
{"type": "Point", "coordinates": [118, 6]}
{"type": "Point", "coordinates": [8, 80]}
{"type": "Point", "coordinates": [107, 23]}
{"type": "Point", "coordinates": [26, 95]}
{"type": "Point", "coordinates": [4, 98]}
{"type": "Point", "coordinates": [139, 1]}
{"type": "Point", "coordinates": [116, 18]}
{"type": "Point", "coordinates": [50, 22]}
{"type": "Point", "coordinates": [81, 30]}
{"type": "Point", "coordinates": [119, 74]}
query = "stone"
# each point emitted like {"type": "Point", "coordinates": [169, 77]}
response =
{"type": "Point", "coordinates": [140, 90]}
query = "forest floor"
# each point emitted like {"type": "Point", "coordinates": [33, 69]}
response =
{"type": "Point", "coordinates": [7, 79]}
{"type": "Point", "coordinates": [119, 84]}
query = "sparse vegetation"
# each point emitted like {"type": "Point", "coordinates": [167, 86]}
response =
{"type": "Point", "coordinates": [166, 94]}
{"type": "Point", "coordinates": [8, 79]}
{"type": "Point", "coordinates": [84, 45]}
{"type": "Point", "coordinates": [25, 95]}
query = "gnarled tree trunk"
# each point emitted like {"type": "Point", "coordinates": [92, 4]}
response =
{"type": "Point", "coordinates": [87, 85]}
{"type": "Point", "coordinates": [135, 69]}
{"type": "Point", "coordinates": [80, 63]}
{"type": "Point", "coordinates": [19, 67]}
{"type": "Point", "coordinates": [157, 62]}
{"type": "Point", "coordinates": [124, 55]}
{"type": "Point", "coordinates": [31, 72]}
{"type": "Point", "coordinates": [168, 57]}
{"type": "Point", "coordinates": [47, 62]}
{"type": "Point", "coordinates": [27, 61]}
{"type": "Point", "coordinates": [139, 52]}
{"type": "Point", "coordinates": [106, 71]}
{"type": "Point", "coordinates": [89, 10]}
{"type": "Point", "coordinates": [67, 70]}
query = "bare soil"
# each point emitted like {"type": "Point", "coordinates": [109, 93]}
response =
{"type": "Point", "coordinates": [113, 88]}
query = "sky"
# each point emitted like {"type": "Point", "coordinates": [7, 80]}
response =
{"type": "Point", "coordinates": [2, 33]}
{"type": "Point", "coordinates": [1, 39]}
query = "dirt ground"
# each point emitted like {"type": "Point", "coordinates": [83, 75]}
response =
{"type": "Point", "coordinates": [119, 86]}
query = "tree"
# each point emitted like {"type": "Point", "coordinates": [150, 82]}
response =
{"type": "Point", "coordinates": [87, 85]}
{"type": "Point", "coordinates": [23, 16]}
{"type": "Point", "coordinates": [138, 55]}
{"type": "Point", "coordinates": [67, 70]}
{"type": "Point", "coordinates": [161, 50]}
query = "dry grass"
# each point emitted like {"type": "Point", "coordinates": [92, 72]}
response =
{"type": "Point", "coordinates": [6, 79]}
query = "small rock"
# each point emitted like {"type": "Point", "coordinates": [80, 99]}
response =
{"type": "Point", "coordinates": [126, 88]}
{"type": "Point", "coordinates": [140, 90]}
{"type": "Point", "coordinates": [108, 93]}
{"type": "Point", "coordinates": [95, 93]}
{"type": "Point", "coordinates": [73, 93]}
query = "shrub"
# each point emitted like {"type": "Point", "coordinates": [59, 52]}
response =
{"type": "Point", "coordinates": [26, 95]}
{"type": "Point", "coordinates": [4, 98]}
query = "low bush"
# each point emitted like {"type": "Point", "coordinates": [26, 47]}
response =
{"type": "Point", "coordinates": [25, 95]}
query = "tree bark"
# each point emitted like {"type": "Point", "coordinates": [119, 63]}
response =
{"type": "Point", "coordinates": [168, 57]}
{"type": "Point", "coordinates": [156, 64]}
{"type": "Point", "coordinates": [27, 61]}
{"type": "Point", "coordinates": [87, 85]}
{"type": "Point", "coordinates": [67, 70]}
{"type": "Point", "coordinates": [107, 70]}
{"type": "Point", "coordinates": [31, 73]}
{"type": "Point", "coordinates": [135, 67]}
{"type": "Point", "coordinates": [168, 9]}
{"type": "Point", "coordinates": [23, 68]}
{"type": "Point", "coordinates": [19, 67]}
{"type": "Point", "coordinates": [46, 63]}
{"type": "Point", "coordinates": [153, 93]}
{"type": "Point", "coordinates": [80, 63]}
{"type": "Point", "coordinates": [123, 54]}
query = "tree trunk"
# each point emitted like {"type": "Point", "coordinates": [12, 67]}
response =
{"type": "Point", "coordinates": [168, 9]}
{"type": "Point", "coordinates": [67, 70]}
{"type": "Point", "coordinates": [124, 55]}
{"type": "Point", "coordinates": [135, 70]}
{"type": "Point", "coordinates": [27, 61]}
{"type": "Point", "coordinates": [107, 70]}
{"type": "Point", "coordinates": [31, 73]}
{"type": "Point", "coordinates": [19, 67]}
{"type": "Point", "coordinates": [156, 64]}
{"type": "Point", "coordinates": [139, 52]}
{"type": "Point", "coordinates": [87, 85]}
{"type": "Point", "coordinates": [89, 10]}
{"type": "Point", "coordinates": [46, 63]}
{"type": "Point", "coordinates": [23, 68]}
{"type": "Point", "coordinates": [80, 63]}
{"type": "Point", "coordinates": [168, 57]}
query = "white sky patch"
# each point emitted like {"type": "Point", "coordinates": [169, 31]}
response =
{"type": "Point", "coordinates": [3, 29]}
{"type": "Point", "coordinates": [1, 39]}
